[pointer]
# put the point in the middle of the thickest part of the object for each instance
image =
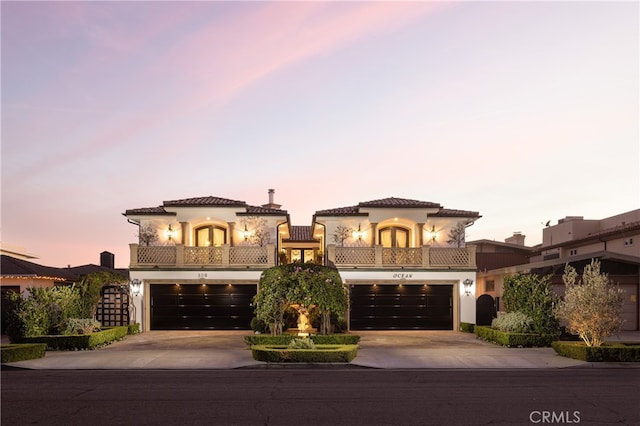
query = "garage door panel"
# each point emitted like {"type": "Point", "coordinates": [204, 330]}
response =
{"type": "Point", "coordinates": [406, 307]}
{"type": "Point", "coordinates": [198, 307]}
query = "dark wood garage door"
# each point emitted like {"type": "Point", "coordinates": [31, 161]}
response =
{"type": "Point", "coordinates": [201, 307]}
{"type": "Point", "coordinates": [401, 307]}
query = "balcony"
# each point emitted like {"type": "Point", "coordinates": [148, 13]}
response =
{"type": "Point", "coordinates": [181, 256]}
{"type": "Point", "coordinates": [416, 257]}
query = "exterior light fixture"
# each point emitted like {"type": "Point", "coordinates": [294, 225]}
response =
{"type": "Point", "coordinates": [432, 234]}
{"type": "Point", "coordinates": [358, 234]}
{"type": "Point", "coordinates": [467, 286]}
{"type": "Point", "coordinates": [136, 287]}
{"type": "Point", "coordinates": [170, 233]}
{"type": "Point", "coordinates": [246, 233]}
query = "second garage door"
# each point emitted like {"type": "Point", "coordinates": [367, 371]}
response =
{"type": "Point", "coordinates": [401, 307]}
{"type": "Point", "coordinates": [201, 307]}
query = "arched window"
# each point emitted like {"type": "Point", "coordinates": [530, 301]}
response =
{"type": "Point", "coordinates": [210, 235]}
{"type": "Point", "coordinates": [394, 236]}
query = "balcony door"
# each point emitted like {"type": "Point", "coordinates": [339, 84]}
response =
{"type": "Point", "coordinates": [394, 236]}
{"type": "Point", "coordinates": [210, 236]}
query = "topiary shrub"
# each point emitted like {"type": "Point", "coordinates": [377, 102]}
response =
{"type": "Point", "coordinates": [258, 325]}
{"type": "Point", "coordinates": [515, 322]}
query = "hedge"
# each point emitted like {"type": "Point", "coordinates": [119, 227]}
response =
{"type": "Point", "coordinates": [133, 328]}
{"type": "Point", "coordinates": [318, 339]}
{"type": "Point", "coordinates": [322, 353]}
{"type": "Point", "coordinates": [467, 327]}
{"type": "Point", "coordinates": [609, 352]}
{"type": "Point", "coordinates": [81, 341]}
{"type": "Point", "coordinates": [20, 352]}
{"type": "Point", "coordinates": [504, 338]}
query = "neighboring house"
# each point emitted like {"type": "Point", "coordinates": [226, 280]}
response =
{"type": "Point", "coordinates": [18, 275]}
{"type": "Point", "coordinates": [202, 266]}
{"type": "Point", "coordinates": [615, 241]}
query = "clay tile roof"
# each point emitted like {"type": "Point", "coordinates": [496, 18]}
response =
{"type": "Point", "coordinates": [454, 213]}
{"type": "Point", "coordinates": [300, 233]}
{"type": "Point", "coordinates": [392, 202]}
{"type": "Point", "coordinates": [341, 211]}
{"type": "Point", "coordinates": [399, 203]}
{"type": "Point", "coordinates": [148, 210]}
{"type": "Point", "coordinates": [205, 201]}
{"type": "Point", "coordinates": [254, 210]}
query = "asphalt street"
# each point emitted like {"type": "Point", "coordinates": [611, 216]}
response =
{"type": "Point", "coordinates": [321, 396]}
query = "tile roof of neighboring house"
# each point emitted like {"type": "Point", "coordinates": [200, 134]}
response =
{"type": "Point", "coordinates": [393, 202]}
{"type": "Point", "coordinates": [300, 233]}
{"type": "Point", "coordinates": [12, 266]}
{"type": "Point", "coordinates": [82, 270]}
{"type": "Point", "coordinates": [22, 268]}
{"type": "Point", "coordinates": [204, 202]}
{"type": "Point", "coordinates": [454, 213]}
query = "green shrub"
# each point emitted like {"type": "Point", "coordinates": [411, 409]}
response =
{"type": "Point", "coordinates": [608, 352]}
{"type": "Point", "coordinates": [318, 339]}
{"type": "Point", "coordinates": [22, 352]}
{"type": "Point", "coordinates": [508, 339]}
{"type": "Point", "coordinates": [514, 322]}
{"type": "Point", "coordinates": [305, 343]}
{"type": "Point", "coordinates": [258, 325]}
{"type": "Point", "coordinates": [133, 328]}
{"type": "Point", "coordinates": [335, 339]}
{"type": "Point", "coordinates": [267, 339]}
{"type": "Point", "coordinates": [81, 341]}
{"type": "Point", "coordinates": [80, 326]}
{"type": "Point", "coordinates": [466, 327]}
{"type": "Point", "coordinates": [322, 353]}
{"type": "Point", "coordinates": [533, 296]}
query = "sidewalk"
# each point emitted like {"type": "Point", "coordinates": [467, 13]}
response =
{"type": "Point", "coordinates": [195, 350]}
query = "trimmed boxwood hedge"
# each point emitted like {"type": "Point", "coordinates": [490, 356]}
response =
{"type": "Point", "coordinates": [80, 341]}
{"type": "Point", "coordinates": [133, 328]}
{"type": "Point", "coordinates": [467, 327]}
{"type": "Point", "coordinates": [322, 353]}
{"type": "Point", "coordinates": [504, 338]}
{"type": "Point", "coordinates": [21, 351]}
{"type": "Point", "coordinates": [609, 352]}
{"type": "Point", "coordinates": [318, 339]}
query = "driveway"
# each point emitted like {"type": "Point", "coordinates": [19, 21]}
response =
{"type": "Point", "coordinates": [193, 350]}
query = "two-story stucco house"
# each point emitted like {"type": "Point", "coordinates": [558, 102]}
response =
{"type": "Point", "coordinates": [199, 260]}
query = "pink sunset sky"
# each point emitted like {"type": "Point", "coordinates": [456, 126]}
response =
{"type": "Point", "coordinates": [524, 112]}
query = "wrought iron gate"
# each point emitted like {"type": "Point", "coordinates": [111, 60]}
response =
{"type": "Point", "coordinates": [113, 308]}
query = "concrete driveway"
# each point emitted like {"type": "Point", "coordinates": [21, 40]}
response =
{"type": "Point", "coordinates": [189, 350]}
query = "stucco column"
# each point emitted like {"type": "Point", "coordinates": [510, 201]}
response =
{"type": "Point", "coordinates": [183, 232]}
{"type": "Point", "coordinates": [133, 255]}
{"type": "Point", "coordinates": [374, 227]}
{"type": "Point", "coordinates": [231, 230]}
{"type": "Point", "coordinates": [420, 234]}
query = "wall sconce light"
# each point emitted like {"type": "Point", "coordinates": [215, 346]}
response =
{"type": "Point", "coordinates": [246, 234]}
{"type": "Point", "coordinates": [357, 235]}
{"type": "Point", "coordinates": [467, 286]}
{"type": "Point", "coordinates": [136, 287]}
{"type": "Point", "coordinates": [170, 233]}
{"type": "Point", "coordinates": [432, 234]}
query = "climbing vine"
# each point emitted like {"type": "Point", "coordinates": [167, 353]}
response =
{"type": "Point", "coordinates": [304, 284]}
